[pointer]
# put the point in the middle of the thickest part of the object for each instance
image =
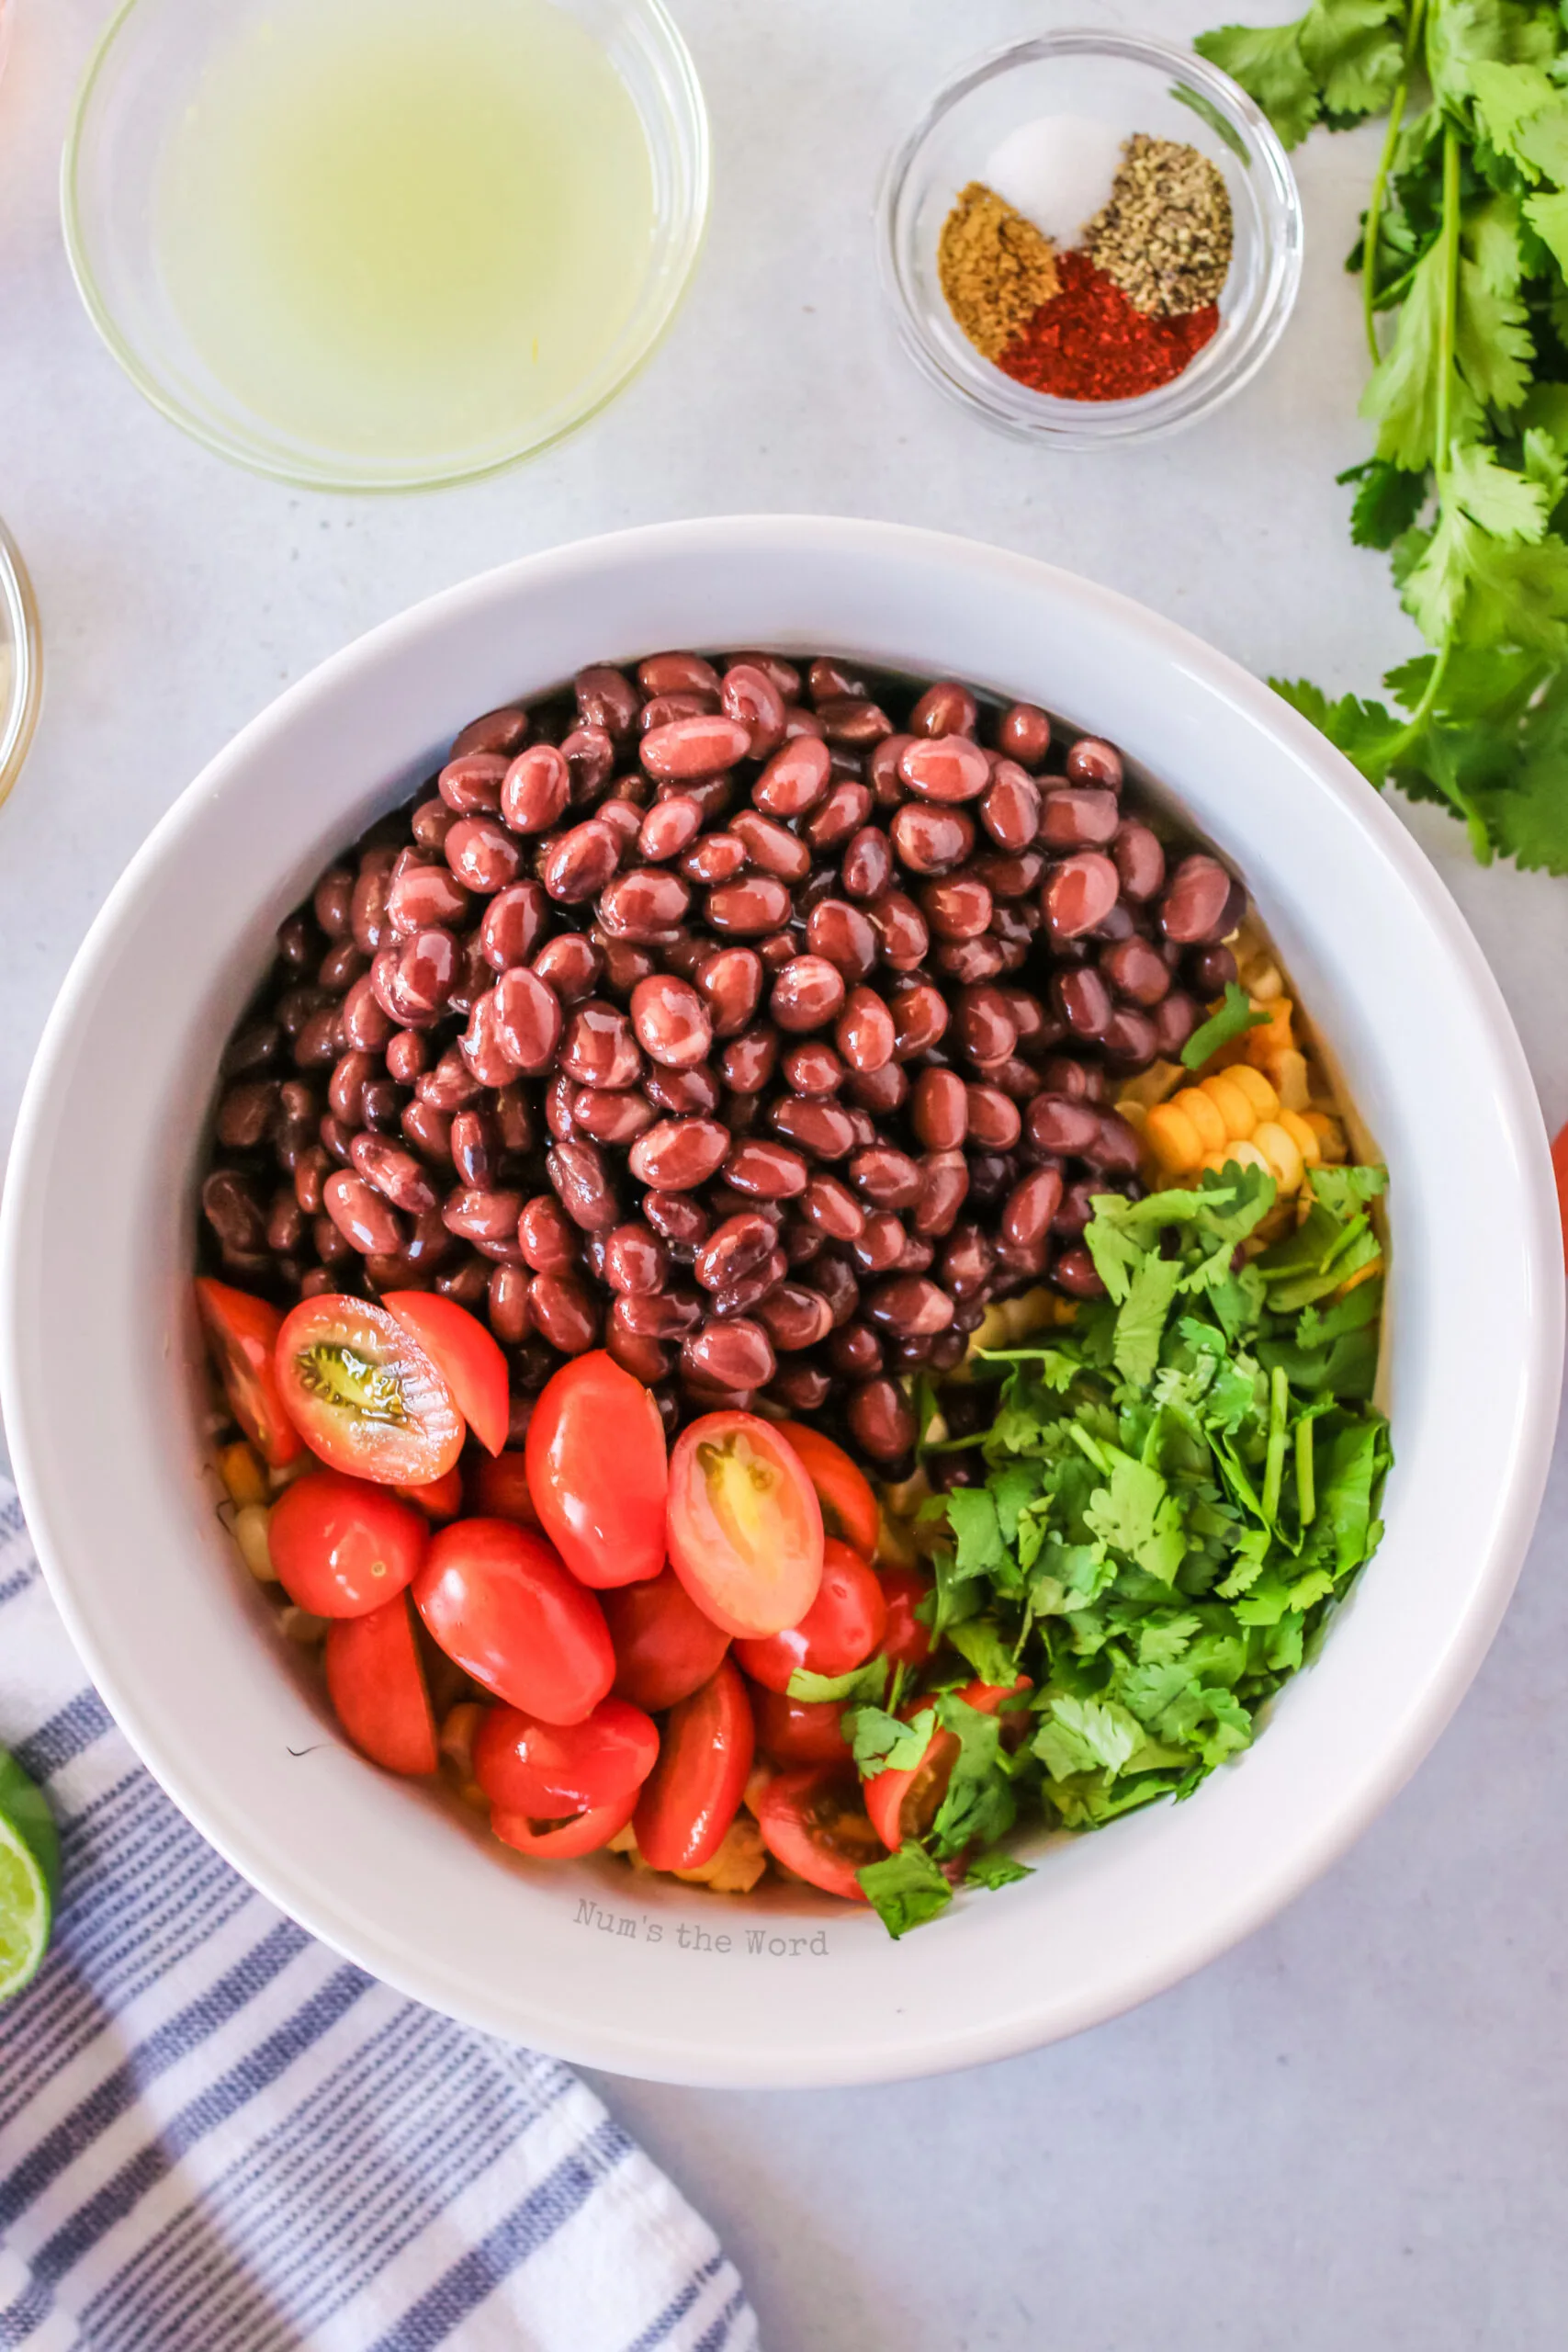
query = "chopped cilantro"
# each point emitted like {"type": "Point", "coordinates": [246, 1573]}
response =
{"type": "Point", "coordinates": [867, 1682]}
{"type": "Point", "coordinates": [1175, 1494]}
{"type": "Point", "coordinates": [905, 1889]}
{"type": "Point", "coordinates": [1235, 1017]}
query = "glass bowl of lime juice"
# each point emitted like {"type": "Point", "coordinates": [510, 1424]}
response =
{"type": "Point", "coordinates": [385, 244]}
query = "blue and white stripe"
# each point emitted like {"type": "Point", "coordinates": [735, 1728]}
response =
{"type": "Point", "coordinates": [217, 2136]}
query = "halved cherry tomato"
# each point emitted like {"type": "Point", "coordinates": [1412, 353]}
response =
{"type": "Point", "coordinates": [745, 1525]}
{"type": "Point", "coordinates": [598, 1472]}
{"type": "Point", "coordinates": [364, 1394]}
{"type": "Point", "coordinates": [848, 1505]}
{"type": "Point", "coordinates": [814, 1823]}
{"type": "Point", "coordinates": [343, 1547]}
{"type": "Point", "coordinates": [904, 1804]}
{"type": "Point", "coordinates": [465, 1354]}
{"type": "Point", "coordinates": [800, 1731]}
{"type": "Point", "coordinates": [441, 1498]}
{"type": "Point", "coordinates": [498, 1489]}
{"type": "Point", "coordinates": [550, 1771]}
{"type": "Point", "coordinates": [377, 1685]}
{"type": "Point", "coordinates": [499, 1601]}
{"type": "Point", "coordinates": [694, 1792]}
{"type": "Point", "coordinates": [907, 1641]}
{"type": "Point", "coordinates": [564, 1841]}
{"type": "Point", "coordinates": [838, 1632]}
{"type": "Point", "coordinates": [241, 1333]}
{"type": "Point", "coordinates": [665, 1647]}
{"type": "Point", "coordinates": [1560, 1169]}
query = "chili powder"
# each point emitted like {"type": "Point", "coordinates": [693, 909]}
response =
{"type": "Point", "coordinates": [1089, 343]}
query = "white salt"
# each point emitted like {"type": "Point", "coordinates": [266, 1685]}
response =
{"type": "Point", "coordinates": [1057, 172]}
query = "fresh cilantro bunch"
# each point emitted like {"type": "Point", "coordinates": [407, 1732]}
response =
{"type": "Point", "coordinates": [1168, 1500]}
{"type": "Point", "coordinates": [1465, 248]}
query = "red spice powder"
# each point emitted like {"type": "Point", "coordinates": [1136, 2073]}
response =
{"type": "Point", "coordinates": [1089, 343]}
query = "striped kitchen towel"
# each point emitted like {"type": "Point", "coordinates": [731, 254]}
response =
{"type": "Point", "coordinates": [217, 2136]}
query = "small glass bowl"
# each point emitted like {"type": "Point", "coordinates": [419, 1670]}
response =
{"type": "Point", "coordinates": [21, 662]}
{"type": "Point", "coordinates": [1134, 85]}
{"type": "Point", "coordinates": [144, 73]}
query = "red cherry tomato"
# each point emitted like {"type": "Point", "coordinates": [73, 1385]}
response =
{"type": "Point", "coordinates": [848, 1505]}
{"type": "Point", "coordinates": [498, 1489]}
{"type": "Point", "coordinates": [800, 1731]}
{"type": "Point", "coordinates": [597, 1471]}
{"type": "Point", "coordinates": [564, 1841]}
{"type": "Point", "coordinates": [442, 1498]}
{"type": "Point", "coordinates": [377, 1685]}
{"type": "Point", "coordinates": [498, 1600]}
{"type": "Point", "coordinates": [465, 1354]}
{"type": "Point", "coordinates": [745, 1525]}
{"type": "Point", "coordinates": [1560, 1169]}
{"type": "Point", "coordinates": [665, 1647]}
{"type": "Point", "coordinates": [342, 1546]}
{"type": "Point", "coordinates": [364, 1394]}
{"type": "Point", "coordinates": [814, 1823]}
{"type": "Point", "coordinates": [695, 1791]}
{"type": "Point", "coordinates": [241, 1333]}
{"type": "Point", "coordinates": [551, 1771]}
{"type": "Point", "coordinates": [907, 1641]}
{"type": "Point", "coordinates": [904, 1804]}
{"type": "Point", "coordinates": [838, 1632]}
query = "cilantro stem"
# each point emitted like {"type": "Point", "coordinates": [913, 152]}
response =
{"type": "Point", "coordinates": [1274, 1461]}
{"type": "Point", "coordinates": [1379, 179]}
{"type": "Point", "coordinates": [1448, 324]}
{"type": "Point", "coordinates": [1306, 1499]}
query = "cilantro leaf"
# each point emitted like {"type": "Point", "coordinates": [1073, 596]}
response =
{"type": "Point", "coordinates": [996, 1868]}
{"type": "Point", "coordinates": [1387, 503]}
{"type": "Point", "coordinates": [1140, 1321]}
{"type": "Point", "coordinates": [1354, 53]}
{"type": "Point", "coordinates": [1268, 62]}
{"type": "Point", "coordinates": [867, 1682]}
{"type": "Point", "coordinates": [883, 1744]}
{"type": "Point", "coordinates": [1235, 1017]}
{"type": "Point", "coordinates": [976, 1532]}
{"type": "Point", "coordinates": [905, 1889]}
{"type": "Point", "coordinates": [981, 1641]}
{"type": "Point", "coordinates": [1138, 1514]}
{"type": "Point", "coordinates": [1343, 1189]}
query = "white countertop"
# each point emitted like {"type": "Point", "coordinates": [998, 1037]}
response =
{"type": "Point", "coordinates": [1354, 2131]}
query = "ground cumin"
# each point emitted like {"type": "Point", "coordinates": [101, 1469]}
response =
{"type": "Point", "coordinates": [995, 268]}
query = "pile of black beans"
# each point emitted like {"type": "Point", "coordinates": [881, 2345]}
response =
{"type": "Point", "coordinates": [756, 1021]}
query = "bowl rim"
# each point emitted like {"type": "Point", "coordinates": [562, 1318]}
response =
{"type": "Point", "coordinates": [686, 252]}
{"type": "Point", "coordinates": [19, 713]}
{"type": "Point", "coordinates": [1531, 1376]}
{"type": "Point", "coordinates": [1016, 409]}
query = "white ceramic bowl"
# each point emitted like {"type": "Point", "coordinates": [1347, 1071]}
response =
{"type": "Point", "coordinates": [586, 1961]}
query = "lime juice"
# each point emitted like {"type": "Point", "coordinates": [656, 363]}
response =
{"type": "Point", "coordinates": [406, 229]}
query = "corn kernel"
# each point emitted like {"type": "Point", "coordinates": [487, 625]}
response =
{"type": "Point", "coordinates": [1202, 1116]}
{"type": "Point", "coordinates": [1289, 1072]}
{"type": "Point", "coordinates": [1273, 1036]}
{"type": "Point", "coordinates": [895, 1544]}
{"type": "Point", "coordinates": [1263, 982]}
{"type": "Point", "coordinates": [1303, 1137]}
{"type": "Point", "coordinates": [241, 1473]}
{"type": "Point", "coordinates": [1280, 1152]}
{"type": "Point", "coordinates": [460, 1728]}
{"type": "Point", "coordinates": [1155, 1084]}
{"type": "Point", "coordinates": [1173, 1139]}
{"type": "Point", "coordinates": [1244, 1154]}
{"type": "Point", "coordinates": [1256, 1087]}
{"type": "Point", "coordinates": [1233, 1104]}
{"type": "Point", "coordinates": [738, 1863]}
{"type": "Point", "coordinates": [1330, 1137]}
{"type": "Point", "coordinates": [624, 1842]}
{"type": "Point", "coordinates": [250, 1534]}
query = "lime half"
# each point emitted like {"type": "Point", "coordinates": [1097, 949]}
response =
{"type": "Point", "coordinates": [29, 1866]}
